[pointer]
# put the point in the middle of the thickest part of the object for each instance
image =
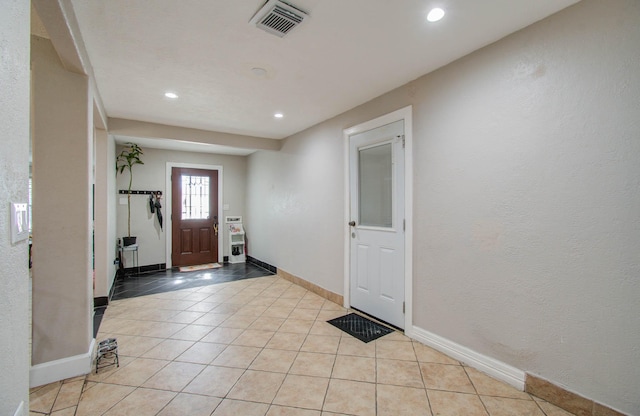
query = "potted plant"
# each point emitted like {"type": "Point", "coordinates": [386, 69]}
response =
{"type": "Point", "coordinates": [129, 156]}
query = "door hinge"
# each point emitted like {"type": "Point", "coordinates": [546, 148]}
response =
{"type": "Point", "coordinates": [404, 225]}
{"type": "Point", "coordinates": [403, 307]}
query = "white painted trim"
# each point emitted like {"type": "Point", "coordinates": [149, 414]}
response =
{"type": "Point", "coordinates": [407, 113]}
{"type": "Point", "coordinates": [168, 207]}
{"type": "Point", "coordinates": [77, 365]}
{"type": "Point", "coordinates": [490, 366]}
{"type": "Point", "coordinates": [346, 295]}
{"type": "Point", "coordinates": [401, 114]}
{"type": "Point", "coordinates": [20, 410]}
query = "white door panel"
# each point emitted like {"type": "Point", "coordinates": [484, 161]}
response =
{"type": "Point", "coordinates": [362, 275]}
{"type": "Point", "coordinates": [377, 214]}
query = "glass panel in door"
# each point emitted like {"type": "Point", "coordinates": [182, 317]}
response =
{"type": "Point", "coordinates": [376, 186]}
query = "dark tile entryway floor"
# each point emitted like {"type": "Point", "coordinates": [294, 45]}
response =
{"type": "Point", "coordinates": [170, 280]}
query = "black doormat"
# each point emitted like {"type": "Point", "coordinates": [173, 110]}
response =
{"type": "Point", "coordinates": [360, 327]}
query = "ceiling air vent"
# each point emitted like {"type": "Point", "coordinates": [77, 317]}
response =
{"type": "Point", "coordinates": [278, 17]}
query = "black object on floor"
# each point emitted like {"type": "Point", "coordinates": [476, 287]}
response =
{"type": "Point", "coordinates": [360, 327]}
{"type": "Point", "coordinates": [107, 350]}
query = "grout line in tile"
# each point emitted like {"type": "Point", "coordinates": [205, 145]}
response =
{"type": "Point", "coordinates": [297, 354]}
{"type": "Point", "coordinates": [422, 378]}
{"type": "Point", "coordinates": [471, 381]}
{"type": "Point", "coordinates": [484, 405]}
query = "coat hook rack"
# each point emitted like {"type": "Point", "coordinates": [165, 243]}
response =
{"type": "Point", "coordinates": [125, 192]}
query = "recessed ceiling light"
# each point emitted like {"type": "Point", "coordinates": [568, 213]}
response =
{"type": "Point", "coordinates": [435, 14]}
{"type": "Point", "coordinates": [278, 115]}
{"type": "Point", "coordinates": [259, 72]}
{"type": "Point", "coordinates": [171, 95]}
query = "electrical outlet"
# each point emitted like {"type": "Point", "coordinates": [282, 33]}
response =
{"type": "Point", "coordinates": [19, 222]}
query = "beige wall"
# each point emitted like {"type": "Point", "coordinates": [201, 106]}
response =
{"type": "Point", "coordinates": [62, 178]}
{"type": "Point", "coordinates": [295, 205]}
{"type": "Point", "coordinates": [526, 202]}
{"type": "Point", "coordinates": [152, 176]}
{"type": "Point", "coordinates": [14, 176]}
{"type": "Point", "coordinates": [105, 212]}
{"type": "Point", "coordinates": [526, 205]}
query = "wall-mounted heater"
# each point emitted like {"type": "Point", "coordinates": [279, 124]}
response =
{"type": "Point", "coordinates": [278, 17]}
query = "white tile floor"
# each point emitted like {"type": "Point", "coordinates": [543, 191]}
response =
{"type": "Point", "coordinates": [262, 347]}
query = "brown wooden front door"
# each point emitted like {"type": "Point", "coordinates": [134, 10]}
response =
{"type": "Point", "coordinates": [194, 202]}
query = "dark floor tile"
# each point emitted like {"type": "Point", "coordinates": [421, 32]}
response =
{"type": "Point", "coordinates": [98, 313]}
{"type": "Point", "coordinates": [169, 280]}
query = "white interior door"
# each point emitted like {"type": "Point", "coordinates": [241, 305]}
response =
{"type": "Point", "coordinates": [377, 249]}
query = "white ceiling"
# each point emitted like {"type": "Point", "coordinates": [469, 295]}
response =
{"type": "Point", "coordinates": [346, 53]}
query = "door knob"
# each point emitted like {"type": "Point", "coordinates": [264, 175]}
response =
{"type": "Point", "coordinates": [352, 223]}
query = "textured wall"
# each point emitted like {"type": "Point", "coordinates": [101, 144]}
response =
{"type": "Point", "coordinates": [526, 200]}
{"type": "Point", "coordinates": [14, 176]}
{"type": "Point", "coordinates": [105, 213]}
{"type": "Point", "coordinates": [152, 176]}
{"type": "Point", "coordinates": [295, 206]}
{"type": "Point", "coordinates": [62, 179]}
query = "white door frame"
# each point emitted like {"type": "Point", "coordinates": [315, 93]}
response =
{"type": "Point", "coordinates": [401, 114]}
{"type": "Point", "coordinates": [168, 207]}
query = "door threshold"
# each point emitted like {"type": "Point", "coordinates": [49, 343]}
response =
{"type": "Point", "coordinates": [378, 320]}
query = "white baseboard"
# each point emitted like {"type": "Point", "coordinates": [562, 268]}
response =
{"type": "Point", "coordinates": [20, 410]}
{"type": "Point", "coordinates": [490, 366]}
{"type": "Point", "coordinates": [62, 369]}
